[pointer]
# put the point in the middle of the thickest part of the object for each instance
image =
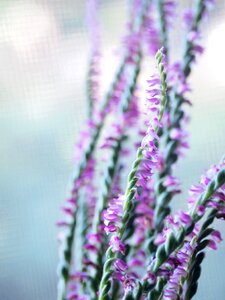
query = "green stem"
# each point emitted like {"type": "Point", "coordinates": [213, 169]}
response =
{"type": "Point", "coordinates": [163, 26]}
{"type": "Point", "coordinates": [174, 241]}
{"type": "Point", "coordinates": [91, 85]}
{"type": "Point", "coordinates": [163, 195]}
{"type": "Point", "coordinates": [130, 192]}
{"type": "Point", "coordinates": [111, 169]}
{"type": "Point", "coordinates": [196, 259]}
{"type": "Point", "coordinates": [189, 56]}
{"type": "Point", "coordinates": [65, 251]}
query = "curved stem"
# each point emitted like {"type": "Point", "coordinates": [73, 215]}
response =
{"type": "Point", "coordinates": [163, 26]}
{"type": "Point", "coordinates": [174, 241]}
{"type": "Point", "coordinates": [65, 251]}
{"type": "Point", "coordinates": [163, 195]}
{"type": "Point", "coordinates": [130, 191]}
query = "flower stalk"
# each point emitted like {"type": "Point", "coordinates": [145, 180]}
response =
{"type": "Point", "coordinates": [132, 181]}
{"type": "Point", "coordinates": [124, 243]}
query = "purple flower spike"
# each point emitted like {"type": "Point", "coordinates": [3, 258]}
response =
{"type": "Point", "coordinates": [169, 11]}
{"type": "Point", "coordinates": [134, 224]}
{"type": "Point", "coordinates": [112, 216]}
{"type": "Point", "coordinates": [151, 34]}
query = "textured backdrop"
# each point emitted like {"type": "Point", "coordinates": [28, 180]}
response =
{"type": "Point", "coordinates": [43, 60]}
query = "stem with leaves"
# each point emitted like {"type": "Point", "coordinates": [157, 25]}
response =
{"type": "Point", "coordinates": [176, 100]}
{"type": "Point", "coordinates": [176, 240]}
{"type": "Point", "coordinates": [131, 190]}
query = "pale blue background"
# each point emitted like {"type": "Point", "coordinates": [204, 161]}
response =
{"type": "Point", "coordinates": [43, 52]}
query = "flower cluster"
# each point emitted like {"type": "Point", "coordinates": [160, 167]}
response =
{"type": "Point", "coordinates": [196, 190]}
{"type": "Point", "coordinates": [152, 37]}
{"type": "Point", "coordinates": [169, 9]}
{"type": "Point", "coordinates": [181, 218]}
{"type": "Point", "coordinates": [112, 216]}
{"type": "Point", "coordinates": [120, 239]}
{"type": "Point", "coordinates": [70, 205]}
{"type": "Point", "coordinates": [179, 265]}
{"type": "Point", "coordinates": [144, 212]}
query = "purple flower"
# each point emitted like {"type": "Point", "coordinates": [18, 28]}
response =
{"type": "Point", "coordinates": [194, 38]}
{"type": "Point", "coordinates": [151, 35]}
{"type": "Point", "coordinates": [132, 42]}
{"type": "Point", "coordinates": [68, 211]}
{"type": "Point", "coordinates": [137, 260]}
{"type": "Point", "coordinates": [110, 228]}
{"type": "Point", "coordinates": [92, 245]}
{"type": "Point", "coordinates": [79, 275]}
{"type": "Point", "coordinates": [62, 223]}
{"type": "Point", "coordinates": [120, 265]}
{"type": "Point", "coordinates": [118, 276]}
{"type": "Point", "coordinates": [177, 134]}
{"type": "Point", "coordinates": [71, 203]}
{"type": "Point", "coordinates": [112, 216]}
{"type": "Point", "coordinates": [184, 218]}
{"type": "Point", "coordinates": [129, 283]}
{"type": "Point", "coordinates": [75, 296]}
{"type": "Point", "coordinates": [149, 163]}
{"type": "Point", "coordinates": [117, 245]}
{"type": "Point", "coordinates": [171, 181]}
{"type": "Point", "coordinates": [216, 236]}
{"type": "Point", "coordinates": [200, 210]}
{"type": "Point", "coordinates": [210, 4]}
{"type": "Point", "coordinates": [150, 277]}
{"type": "Point", "coordinates": [196, 190]}
{"type": "Point", "coordinates": [94, 238]}
{"type": "Point", "coordinates": [169, 7]}
{"type": "Point", "coordinates": [172, 184]}
{"type": "Point", "coordinates": [212, 245]}
{"type": "Point", "coordinates": [84, 139]}
{"type": "Point", "coordinates": [122, 275]}
{"type": "Point", "coordinates": [144, 210]}
{"type": "Point", "coordinates": [160, 239]}
{"type": "Point", "coordinates": [188, 17]}
{"type": "Point", "coordinates": [178, 271]}
{"type": "Point", "coordinates": [170, 294]}
{"type": "Point", "coordinates": [150, 151]}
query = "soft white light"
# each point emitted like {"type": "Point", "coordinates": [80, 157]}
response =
{"type": "Point", "coordinates": [215, 54]}
{"type": "Point", "coordinates": [26, 27]}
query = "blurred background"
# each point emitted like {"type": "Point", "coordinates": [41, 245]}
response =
{"type": "Point", "coordinates": [43, 63]}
